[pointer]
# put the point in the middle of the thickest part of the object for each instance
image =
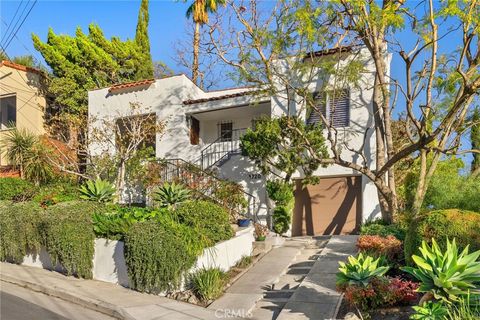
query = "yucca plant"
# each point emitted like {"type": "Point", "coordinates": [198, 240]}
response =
{"type": "Point", "coordinates": [207, 284]}
{"type": "Point", "coordinates": [445, 275]}
{"type": "Point", "coordinates": [360, 270]}
{"type": "Point", "coordinates": [171, 194]}
{"type": "Point", "coordinates": [98, 190]}
{"type": "Point", "coordinates": [429, 311]}
{"type": "Point", "coordinates": [18, 144]}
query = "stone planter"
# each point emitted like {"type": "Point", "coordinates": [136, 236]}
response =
{"type": "Point", "coordinates": [261, 247]}
{"type": "Point", "coordinates": [109, 261]}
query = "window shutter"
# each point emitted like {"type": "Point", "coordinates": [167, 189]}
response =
{"type": "Point", "coordinates": [339, 109]}
{"type": "Point", "coordinates": [314, 116]}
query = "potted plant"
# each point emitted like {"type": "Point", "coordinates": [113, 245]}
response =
{"type": "Point", "coordinates": [261, 232]}
{"type": "Point", "coordinates": [243, 222]}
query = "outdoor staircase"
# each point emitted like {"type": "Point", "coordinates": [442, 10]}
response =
{"type": "Point", "coordinates": [221, 150]}
{"type": "Point", "coordinates": [204, 184]}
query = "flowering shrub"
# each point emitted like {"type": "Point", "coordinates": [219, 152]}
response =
{"type": "Point", "coordinates": [380, 292]}
{"type": "Point", "coordinates": [388, 246]}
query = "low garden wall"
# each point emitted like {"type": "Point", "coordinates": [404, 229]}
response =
{"type": "Point", "coordinates": [109, 261]}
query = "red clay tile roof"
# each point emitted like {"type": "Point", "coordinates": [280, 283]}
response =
{"type": "Point", "coordinates": [121, 86]}
{"type": "Point", "coordinates": [330, 51]}
{"type": "Point", "coordinates": [20, 67]}
{"type": "Point", "coordinates": [226, 96]}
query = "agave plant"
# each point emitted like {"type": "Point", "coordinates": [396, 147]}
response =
{"type": "Point", "coordinates": [429, 311]}
{"type": "Point", "coordinates": [445, 275]}
{"type": "Point", "coordinates": [98, 190]}
{"type": "Point", "coordinates": [360, 270]}
{"type": "Point", "coordinates": [171, 194]}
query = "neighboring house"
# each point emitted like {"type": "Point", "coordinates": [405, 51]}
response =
{"type": "Point", "coordinates": [22, 100]}
{"type": "Point", "coordinates": [204, 128]}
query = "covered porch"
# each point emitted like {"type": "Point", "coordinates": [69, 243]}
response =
{"type": "Point", "coordinates": [218, 131]}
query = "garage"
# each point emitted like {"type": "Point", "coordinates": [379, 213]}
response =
{"type": "Point", "coordinates": [333, 206]}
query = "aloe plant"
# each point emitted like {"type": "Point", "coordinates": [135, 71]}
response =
{"type": "Point", "coordinates": [445, 275]}
{"type": "Point", "coordinates": [360, 270]}
{"type": "Point", "coordinates": [98, 190]}
{"type": "Point", "coordinates": [171, 194]}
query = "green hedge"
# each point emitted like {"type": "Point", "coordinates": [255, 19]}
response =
{"type": "Point", "coordinates": [380, 228]}
{"type": "Point", "coordinates": [159, 253]}
{"type": "Point", "coordinates": [452, 223]}
{"type": "Point", "coordinates": [16, 189]}
{"type": "Point", "coordinates": [19, 230]}
{"type": "Point", "coordinates": [210, 219]}
{"type": "Point", "coordinates": [69, 236]}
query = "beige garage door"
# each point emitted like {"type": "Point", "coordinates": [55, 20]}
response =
{"type": "Point", "coordinates": [333, 206]}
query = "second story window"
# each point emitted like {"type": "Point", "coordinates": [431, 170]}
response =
{"type": "Point", "coordinates": [225, 131]}
{"type": "Point", "coordinates": [334, 106]}
{"type": "Point", "coordinates": [8, 112]}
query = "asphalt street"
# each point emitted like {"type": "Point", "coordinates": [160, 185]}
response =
{"type": "Point", "coordinates": [18, 303]}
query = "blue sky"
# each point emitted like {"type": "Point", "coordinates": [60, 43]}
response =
{"type": "Point", "coordinates": [116, 18]}
{"type": "Point", "coordinates": [119, 18]}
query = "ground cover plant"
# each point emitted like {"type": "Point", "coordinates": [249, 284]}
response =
{"type": "Point", "coordinates": [208, 284]}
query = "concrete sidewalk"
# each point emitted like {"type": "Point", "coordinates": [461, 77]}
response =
{"type": "Point", "coordinates": [316, 296]}
{"type": "Point", "coordinates": [242, 296]}
{"type": "Point", "coordinates": [110, 299]}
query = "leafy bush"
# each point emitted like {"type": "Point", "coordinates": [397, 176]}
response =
{"type": "Point", "coordinates": [281, 219]}
{"type": "Point", "coordinates": [54, 193]}
{"type": "Point", "coordinates": [380, 292]}
{"type": "Point", "coordinates": [429, 311]}
{"type": "Point", "coordinates": [359, 270]}
{"type": "Point", "coordinates": [389, 246]}
{"type": "Point", "coordinates": [208, 284]}
{"type": "Point", "coordinates": [211, 220]}
{"type": "Point", "coordinates": [159, 252]}
{"type": "Point", "coordinates": [230, 195]}
{"type": "Point", "coordinates": [115, 224]}
{"type": "Point", "coordinates": [98, 190]}
{"type": "Point", "coordinates": [171, 194]}
{"type": "Point", "coordinates": [453, 223]}
{"type": "Point", "coordinates": [280, 192]}
{"type": "Point", "coordinates": [69, 236]}
{"type": "Point", "coordinates": [380, 228]}
{"type": "Point", "coordinates": [19, 230]}
{"type": "Point", "coordinates": [445, 275]}
{"type": "Point", "coordinates": [16, 189]}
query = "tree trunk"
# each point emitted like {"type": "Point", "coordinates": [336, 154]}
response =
{"type": "Point", "coordinates": [120, 179]}
{"type": "Point", "coordinates": [196, 47]}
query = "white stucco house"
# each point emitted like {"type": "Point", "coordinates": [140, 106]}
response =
{"type": "Point", "coordinates": [203, 128]}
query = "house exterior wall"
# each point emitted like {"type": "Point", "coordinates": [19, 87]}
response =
{"type": "Point", "coordinates": [166, 96]}
{"type": "Point", "coordinates": [30, 100]}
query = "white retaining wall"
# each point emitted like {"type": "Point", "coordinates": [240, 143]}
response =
{"type": "Point", "coordinates": [109, 261]}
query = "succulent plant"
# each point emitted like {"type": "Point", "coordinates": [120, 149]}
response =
{"type": "Point", "coordinates": [360, 270]}
{"type": "Point", "coordinates": [98, 190]}
{"type": "Point", "coordinates": [445, 275]}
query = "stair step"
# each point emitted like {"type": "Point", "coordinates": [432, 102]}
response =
{"type": "Point", "coordinates": [303, 264]}
{"type": "Point", "coordinates": [299, 270]}
{"type": "Point", "coordinates": [277, 301]}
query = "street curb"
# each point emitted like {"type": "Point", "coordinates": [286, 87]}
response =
{"type": "Point", "coordinates": [92, 304]}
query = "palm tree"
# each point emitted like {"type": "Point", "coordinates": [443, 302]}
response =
{"type": "Point", "coordinates": [199, 10]}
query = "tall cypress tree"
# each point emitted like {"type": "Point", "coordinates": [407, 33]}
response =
{"type": "Point", "coordinates": [145, 69]}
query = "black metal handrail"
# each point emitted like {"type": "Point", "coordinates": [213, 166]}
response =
{"type": "Point", "coordinates": [221, 148]}
{"type": "Point", "coordinates": [204, 184]}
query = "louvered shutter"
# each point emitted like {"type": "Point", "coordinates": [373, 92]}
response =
{"type": "Point", "coordinates": [314, 115]}
{"type": "Point", "coordinates": [339, 109]}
